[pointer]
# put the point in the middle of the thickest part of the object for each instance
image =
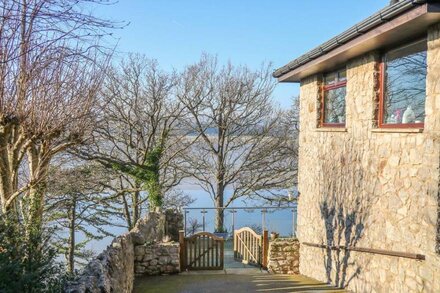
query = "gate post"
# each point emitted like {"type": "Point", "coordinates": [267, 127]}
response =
{"type": "Point", "coordinates": [182, 252]}
{"type": "Point", "coordinates": [265, 248]}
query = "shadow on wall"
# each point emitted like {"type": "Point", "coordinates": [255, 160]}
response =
{"type": "Point", "coordinates": [346, 194]}
{"type": "Point", "coordinates": [342, 229]}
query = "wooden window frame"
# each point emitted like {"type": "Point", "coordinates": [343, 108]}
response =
{"type": "Point", "coordinates": [325, 88]}
{"type": "Point", "coordinates": [381, 115]}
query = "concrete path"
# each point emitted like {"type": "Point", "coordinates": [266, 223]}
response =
{"type": "Point", "coordinates": [230, 262]}
{"type": "Point", "coordinates": [235, 278]}
{"type": "Point", "coordinates": [234, 281]}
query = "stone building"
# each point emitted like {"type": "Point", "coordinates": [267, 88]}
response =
{"type": "Point", "coordinates": [368, 211]}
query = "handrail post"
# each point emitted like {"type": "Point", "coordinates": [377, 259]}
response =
{"type": "Point", "coordinates": [235, 245]}
{"type": "Point", "coordinates": [182, 252]}
{"type": "Point", "coordinates": [294, 220]}
{"type": "Point", "coordinates": [184, 225]}
{"type": "Point", "coordinates": [204, 215]}
{"type": "Point", "coordinates": [265, 248]}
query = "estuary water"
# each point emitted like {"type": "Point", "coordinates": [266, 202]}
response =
{"type": "Point", "coordinates": [274, 219]}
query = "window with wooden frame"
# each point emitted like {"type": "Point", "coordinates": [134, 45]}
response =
{"type": "Point", "coordinates": [333, 99]}
{"type": "Point", "coordinates": [403, 87]}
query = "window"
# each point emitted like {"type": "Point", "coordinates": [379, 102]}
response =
{"type": "Point", "coordinates": [333, 99]}
{"type": "Point", "coordinates": [403, 86]}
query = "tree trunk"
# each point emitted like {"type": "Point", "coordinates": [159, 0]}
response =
{"type": "Point", "coordinates": [5, 174]}
{"type": "Point", "coordinates": [11, 144]}
{"type": "Point", "coordinates": [135, 204]}
{"type": "Point", "coordinates": [71, 249]}
{"type": "Point", "coordinates": [6, 189]}
{"type": "Point", "coordinates": [219, 202]}
{"type": "Point", "coordinates": [36, 196]}
{"type": "Point", "coordinates": [219, 219]}
{"type": "Point", "coordinates": [127, 212]}
{"type": "Point", "coordinates": [38, 162]}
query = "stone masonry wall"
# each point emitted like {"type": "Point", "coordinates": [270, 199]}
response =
{"type": "Point", "coordinates": [157, 259]}
{"type": "Point", "coordinates": [113, 270]}
{"type": "Point", "coordinates": [284, 256]}
{"type": "Point", "coordinates": [370, 188]}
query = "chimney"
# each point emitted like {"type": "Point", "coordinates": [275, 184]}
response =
{"type": "Point", "coordinates": [393, 2]}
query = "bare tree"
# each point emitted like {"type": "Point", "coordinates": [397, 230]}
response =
{"type": "Point", "coordinates": [138, 135]}
{"type": "Point", "coordinates": [50, 72]}
{"type": "Point", "coordinates": [177, 199]}
{"type": "Point", "coordinates": [257, 228]}
{"type": "Point", "coordinates": [244, 143]}
{"type": "Point", "coordinates": [193, 227]}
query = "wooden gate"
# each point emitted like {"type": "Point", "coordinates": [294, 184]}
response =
{"type": "Point", "coordinates": [251, 248]}
{"type": "Point", "coordinates": [201, 251]}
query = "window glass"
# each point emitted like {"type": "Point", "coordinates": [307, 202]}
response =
{"type": "Point", "coordinates": [330, 78]}
{"type": "Point", "coordinates": [334, 105]}
{"type": "Point", "coordinates": [334, 98]}
{"type": "Point", "coordinates": [342, 75]}
{"type": "Point", "coordinates": [405, 85]}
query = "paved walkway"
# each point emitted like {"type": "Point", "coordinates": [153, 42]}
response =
{"type": "Point", "coordinates": [230, 262]}
{"type": "Point", "coordinates": [229, 282]}
{"type": "Point", "coordinates": [235, 278]}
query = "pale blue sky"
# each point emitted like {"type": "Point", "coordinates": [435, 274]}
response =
{"type": "Point", "coordinates": [176, 32]}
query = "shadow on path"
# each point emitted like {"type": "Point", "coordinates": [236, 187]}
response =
{"type": "Point", "coordinates": [205, 282]}
{"type": "Point", "coordinates": [235, 278]}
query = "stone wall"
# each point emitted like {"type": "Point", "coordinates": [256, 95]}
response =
{"type": "Point", "coordinates": [114, 269]}
{"type": "Point", "coordinates": [157, 259]}
{"type": "Point", "coordinates": [284, 256]}
{"type": "Point", "coordinates": [370, 188]}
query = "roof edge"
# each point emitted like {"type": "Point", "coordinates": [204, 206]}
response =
{"type": "Point", "coordinates": [353, 32]}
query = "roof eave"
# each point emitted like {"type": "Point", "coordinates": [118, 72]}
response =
{"type": "Point", "coordinates": [358, 40]}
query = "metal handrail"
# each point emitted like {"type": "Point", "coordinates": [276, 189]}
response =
{"type": "Point", "coordinates": [240, 208]}
{"type": "Point", "coordinates": [264, 209]}
{"type": "Point", "coordinates": [416, 256]}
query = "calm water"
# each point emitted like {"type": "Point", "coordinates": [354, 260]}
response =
{"type": "Point", "coordinates": [275, 220]}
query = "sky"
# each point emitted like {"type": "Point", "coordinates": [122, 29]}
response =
{"type": "Point", "coordinates": [245, 32]}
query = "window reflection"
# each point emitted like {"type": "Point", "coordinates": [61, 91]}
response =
{"type": "Point", "coordinates": [405, 85]}
{"type": "Point", "coordinates": [334, 97]}
{"type": "Point", "coordinates": [335, 105]}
